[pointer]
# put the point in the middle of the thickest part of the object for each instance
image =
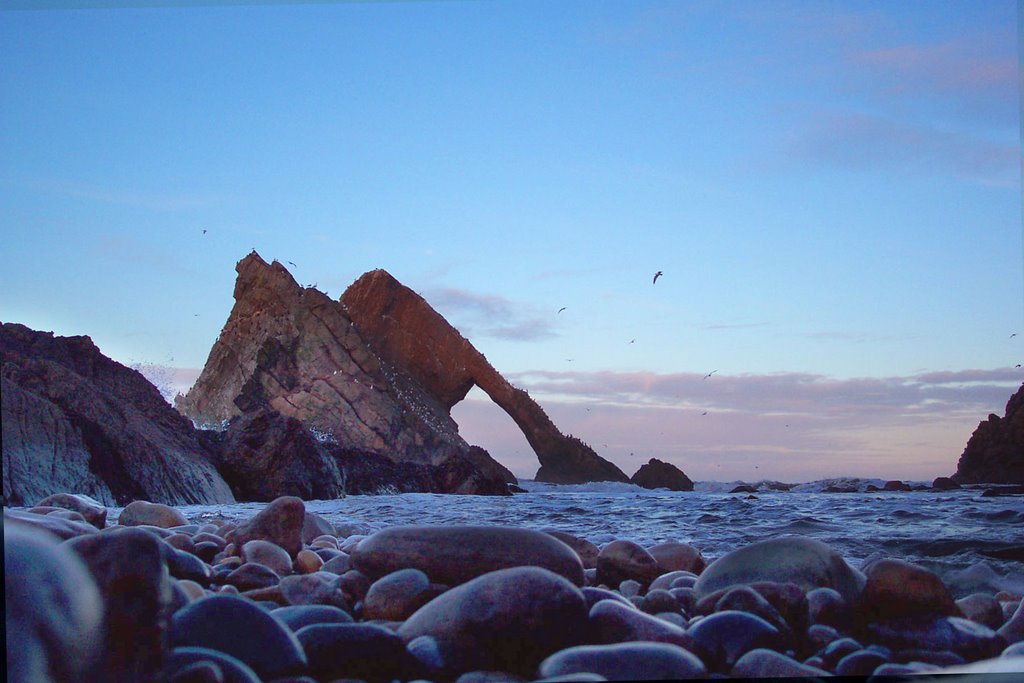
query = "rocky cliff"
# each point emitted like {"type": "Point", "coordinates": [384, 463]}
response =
{"type": "Point", "coordinates": [75, 420]}
{"type": "Point", "coordinates": [406, 333]}
{"type": "Point", "coordinates": [995, 451]}
{"type": "Point", "coordinates": [295, 351]}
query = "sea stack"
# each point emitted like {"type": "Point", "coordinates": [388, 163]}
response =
{"type": "Point", "coordinates": [995, 451]}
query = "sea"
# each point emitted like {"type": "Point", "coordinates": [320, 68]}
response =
{"type": "Point", "coordinates": [973, 541]}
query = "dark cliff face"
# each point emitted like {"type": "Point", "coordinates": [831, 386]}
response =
{"type": "Point", "coordinates": [995, 451]}
{"type": "Point", "coordinates": [293, 351]}
{"type": "Point", "coordinates": [75, 420]}
{"type": "Point", "coordinates": [408, 334]}
{"type": "Point", "coordinates": [659, 474]}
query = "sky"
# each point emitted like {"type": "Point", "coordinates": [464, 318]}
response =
{"type": "Point", "coordinates": [832, 191]}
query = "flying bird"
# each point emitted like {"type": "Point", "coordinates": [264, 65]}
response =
{"type": "Point", "coordinates": [204, 231]}
{"type": "Point", "coordinates": [293, 264]}
{"type": "Point", "coordinates": [704, 413]}
{"type": "Point", "coordinates": [1018, 365]}
{"type": "Point", "coordinates": [561, 309]}
{"type": "Point", "coordinates": [1013, 335]}
{"type": "Point", "coordinates": [656, 276]}
{"type": "Point", "coordinates": [710, 373]}
{"type": "Point", "coordinates": [632, 340]}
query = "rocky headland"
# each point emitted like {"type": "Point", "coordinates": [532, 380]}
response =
{"type": "Point", "coordinates": [995, 451]}
{"type": "Point", "coordinates": [287, 596]}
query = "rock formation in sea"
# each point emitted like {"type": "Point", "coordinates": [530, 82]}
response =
{"type": "Point", "coordinates": [411, 337]}
{"type": "Point", "coordinates": [374, 373]}
{"type": "Point", "coordinates": [657, 474]}
{"type": "Point", "coordinates": [995, 451]}
{"type": "Point", "coordinates": [75, 420]}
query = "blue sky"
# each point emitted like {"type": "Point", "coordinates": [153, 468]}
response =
{"type": "Point", "coordinates": [832, 191]}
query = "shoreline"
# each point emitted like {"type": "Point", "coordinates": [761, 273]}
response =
{"type": "Point", "coordinates": [786, 605]}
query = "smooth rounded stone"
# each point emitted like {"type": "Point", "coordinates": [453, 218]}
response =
{"type": "Point", "coordinates": [674, 556]}
{"type": "Point", "coordinates": [228, 563]}
{"type": "Point", "coordinates": [69, 515]}
{"type": "Point", "coordinates": [966, 638]}
{"type": "Point", "coordinates": [61, 528]}
{"type": "Point", "coordinates": [297, 616]}
{"type": "Point", "coordinates": [365, 651]}
{"type": "Point", "coordinates": [238, 627]}
{"type": "Point", "coordinates": [639, 661]}
{"type": "Point", "coordinates": [630, 588]}
{"type": "Point", "coordinates": [586, 550]}
{"type": "Point", "coordinates": [507, 620]}
{"type": "Point", "coordinates": [349, 543]}
{"type": "Point", "coordinates": [280, 522]}
{"type": "Point", "coordinates": [183, 565]}
{"type": "Point", "coordinates": [232, 669]}
{"type": "Point", "coordinates": [788, 599]}
{"type": "Point", "coordinates": [313, 526]}
{"type": "Point", "coordinates": [826, 606]}
{"type": "Point", "coordinates": [354, 584]}
{"type": "Point", "coordinates": [329, 541]}
{"type": "Point", "coordinates": [489, 677]}
{"type": "Point", "coordinates": [180, 541]}
{"type": "Point", "coordinates": [54, 610]}
{"type": "Point", "coordinates": [674, 618]}
{"type": "Point", "coordinates": [590, 576]}
{"type": "Point", "coordinates": [207, 537]}
{"type": "Point", "coordinates": [251, 576]}
{"type": "Point", "coordinates": [427, 653]}
{"type": "Point", "coordinates": [204, 671]}
{"type": "Point", "coordinates": [685, 598]}
{"type": "Point", "coordinates": [1015, 650]}
{"type": "Point", "coordinates": [894, 672]}
{"type": "Point", "coordinates": [838, 649]}
{"type": "Point", "coordinates": [722, 638]}
{"type": "Point", "coordinates": [983, 609]}
{"type": "Point", "coordinates": [339, 564]}
{"type": "Point", "coordinates": [206, 551]}
{"type": "Point", "coordinates": [193, 590]}
{"type": "Point", "coordinates": [819, 636]}
{"type": "Point", "coordinates": [804, 561]}
{"type": "Point", "coordinates": [318, 588]}
{"type": "Point", "coordinates": [613, 622]}
{"type": "Point", "coordinates": [187, 529]}
{"type": "Point", "coordinates": [307, 562]}
{"type": "Point", "coordinates": [1013, 630]}
{"type": "Point", "coordinates": [128, 567]}
{"type": "Point", "coordinates": [665, 580]}
{"type": "Point", "coordinates": [154, 514]}
{"type": "Point", "coordinates": [593, 595]}
{"type": "Point", "coordinates": [268, 598]}
{"type": "Point", "coordinates": [659, 600]}
{"type": "Point", "coordinates": [621, 560]}
{"type": "Point", "coordinates": [268, 554]}
{"type": "Point", "coordinates": [457, 554]}
{"type": "Point", "coordinates": [764, 663]}
{"type": "Point", "coordinates": [636, 600]}
{"type": "Point", "coordinates": [860, 663]}
{"type": "Point", "coordinates": [397, 595]}
{"type": "Point", "coordinates": [896, 588]}
{"type": "Point", "coordinates": [92, 510]}
{"type": "Point", "coordinates": [746, 599]}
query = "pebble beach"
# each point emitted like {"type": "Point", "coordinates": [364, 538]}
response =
{"type": "Point", "coordinates": [285, 596]}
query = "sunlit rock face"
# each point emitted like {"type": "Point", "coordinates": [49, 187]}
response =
{"type": "Point", "coordinates": [406, 333]}
{"type": "Point", "coordinates": [77, 421]}
{"type": "Point", "coordinates": [995, 452]}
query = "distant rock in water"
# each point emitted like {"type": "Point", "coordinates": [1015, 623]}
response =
{"type": "Point", "coordinates": [995, 452]}
{"type": "Point", "coordinates": [657, 474]}
{"type": "Point", "coordinates": [75, 420]}
{"type": "Point", "coordinates": [375, 373]}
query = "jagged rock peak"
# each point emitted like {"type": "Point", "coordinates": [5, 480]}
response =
{"type": "Point", "coordinates": [995, 451]}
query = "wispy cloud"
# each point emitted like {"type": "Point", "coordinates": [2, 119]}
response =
{"type": "Point", "coordinates": [864, 142]}
{"type": "Point", "coordinates": [488, 315]}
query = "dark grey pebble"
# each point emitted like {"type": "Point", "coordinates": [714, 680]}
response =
{"type": "Point", "coordinates": [838, 649]}
{"type": "Point", "coordinates": [966, 638]}
{"type": "Point", "coordinates": [593, 595]}
{"type": "Point", "coordinates": [238, 627]}
{"type": "Point", "coordinates": [826, 606]}
{"type": "Point", "coordinates": [723, 637]}
{"type": "Point", "coordinates": [613, 622]}
{"type": "Point", "coordinates": [206, 551]}
{"type": "Point", "coordinates": [819, 636]}
{"type": "Point", "coordinates": [860, 663]}
{"type": "Point", "coordinates": [427, 652]}
{"type": "Point", "coordinates": [297, 616]}
{"type": "Point", "coordinates": [365, 651]}
{"type": "Point", "coordinates": [659, 600]}
{"type": "Point", "coordinates": [637, 661]}
{"type": "Point", "coordinates": [232, 669]}
{"type": "Point", "coordinates": [251, 576]}
{"type": "Point", "coordinates": [185, 565]}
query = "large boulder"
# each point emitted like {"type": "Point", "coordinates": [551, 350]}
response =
{"type": "Point", "coordinates": [75, 420]}
{"type": "Point", "coordinates": [657, 474]}
{"type": "Point", "coordinates": [995, 451]}
{"type": "Point", "coordinates": [292, 350]}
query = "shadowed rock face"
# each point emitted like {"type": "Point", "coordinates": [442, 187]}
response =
{"type": "Point", "coordinates": [407, 333]}
{"type": "Point", "coordinates": [658, 474]}
{"type": "Point", "coordinates": [75, 420]}
{"type": "Point", "coordinates": [995, 452]}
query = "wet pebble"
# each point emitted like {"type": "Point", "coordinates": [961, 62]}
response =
{"type": "Point", "coordinates": [155, 514]}
{"type": "Point", "coordinates": [251, 576]}
{"type": "Point", "coordinates": [358, 651]}
{"type": "Point", "coordinates": [765, 663]}
{"type": "Point", "coordinates": [297, 616]}
{"type": "Point", "coordinates": [982, 608]}
{"type": "Point", "coordinates": [674, 556]}
{"type": "Point", "coordinates": [634, 661]}
{"type": "Point", "coordinates": [613, 622]}
{"type": "Point", "coordinates": [397, 595]}
{"type": "Point", "coordinates": [92, 511]}
{"type": "Point", "coordinates": [318, 588]}
{"type": "Point", "coordinates": [280, 522]}
{"type": "Point", "coordinates": [621, 560]}
{"type": "Point", "coordinates": [268, 554]}
{"type": "Point", "coordinates": [723, 637]}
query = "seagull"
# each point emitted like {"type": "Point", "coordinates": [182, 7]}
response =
{"type": "Point", "coordinates": [710, 373]}
{"type": "Point", "coordinates": [293, 264]}
{"type": "Point", "coordinates": [204, 231]}
{"type": "Point", "coordinates": [1017, 365]}
{"type": "Point", "coordinates": [632, 340]}
{"type": "Point", "coordinates": [656, 276]}
{"type": "Point", "coordinates": [704, 413]}
{"type": "Point", "coordinates": [1013, 335]}
{"type": "Point", "coordinates": [561, 309]}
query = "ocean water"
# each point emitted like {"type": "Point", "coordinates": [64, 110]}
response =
{"type": "Point", "coordinates": [973, 542]}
